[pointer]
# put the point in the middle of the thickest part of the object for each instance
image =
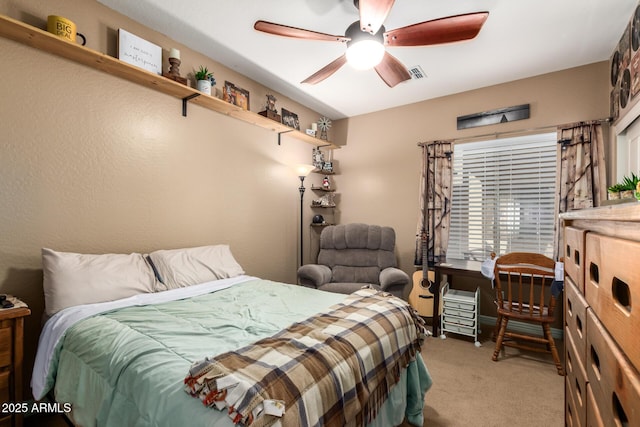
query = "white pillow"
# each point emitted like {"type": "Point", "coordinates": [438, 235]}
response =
{"type": "Point", "coordinates": [178, 268]}
{"type": "Point", "coordinates": [73, 279]}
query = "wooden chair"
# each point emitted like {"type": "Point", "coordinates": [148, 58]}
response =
{"type": "Point", "coordinates": [523, 293]}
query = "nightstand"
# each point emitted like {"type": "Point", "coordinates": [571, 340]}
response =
{"type": "Point", "coordinates": [11, 342]}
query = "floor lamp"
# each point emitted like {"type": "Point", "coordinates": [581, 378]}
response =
{"type": "Point", "coordinates": [303, 171]}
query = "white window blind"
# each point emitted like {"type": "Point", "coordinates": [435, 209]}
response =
{"type": "Point", "coordinates": [503, 197]}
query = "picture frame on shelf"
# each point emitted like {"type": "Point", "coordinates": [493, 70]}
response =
{"type": "Point", "coordinates": [317, 158]}
{"type": "Point", "coordinates": [229, 93]}
{"type": "Point", "coordinates": [235, 95]}
{"type": "Point", "coordinates": [242, 98]}
{"type": "Point", "coordinates": [290, 119]}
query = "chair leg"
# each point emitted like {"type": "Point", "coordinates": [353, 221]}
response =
{"type": "Point", "coordinates": [500, 338]}
{"type": "Point", "coordinates": [554, 350]}
{"type": "Point", "coordinates": [496, 328]}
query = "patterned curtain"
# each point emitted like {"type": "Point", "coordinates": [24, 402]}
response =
{"type": "Point", "coordinates": [434, 201]}
{"type": "Point", "coordinates": [581, 176]}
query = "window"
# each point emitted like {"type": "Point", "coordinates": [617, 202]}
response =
{"type": "Point", "coordinates": [503, 197]}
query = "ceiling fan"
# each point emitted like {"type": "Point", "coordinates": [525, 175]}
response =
{"type": "Point", "coordinates": [366, 39]}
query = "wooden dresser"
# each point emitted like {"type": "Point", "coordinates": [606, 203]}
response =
{"type": "Point", "coordinates": [11, 340]}
{"type": "Point", "coordinates": [602, 316]}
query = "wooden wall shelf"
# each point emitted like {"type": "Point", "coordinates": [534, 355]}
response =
{"type": "Point", "coordinates": [47, 42]}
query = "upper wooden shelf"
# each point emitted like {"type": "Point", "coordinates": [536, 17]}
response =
{"type": "Point", "coordinates": [45, 41]}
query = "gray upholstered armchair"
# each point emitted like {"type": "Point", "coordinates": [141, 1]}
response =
{"type": "Point", "coordinates": [353, 255]}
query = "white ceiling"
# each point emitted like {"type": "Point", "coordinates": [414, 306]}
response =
{"type": "Point", "coordinates": [521, 38]}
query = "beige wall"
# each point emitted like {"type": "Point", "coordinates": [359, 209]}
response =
{"type": "Point", "coordinates": [93, 163]}
{"type": "Point", "coordinates": [380, 165]}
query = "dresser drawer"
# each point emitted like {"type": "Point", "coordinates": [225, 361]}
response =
{"type": "Point", "coordinates": [5, 391]}
{"type": "Point", "coordinates": [614, 382]}
{"type": "Point", "coordinates": [574, 255]}
{"type": "Point", "coordinates": [575, 318]}
{"type": "Point", "coordinates": [612, 289]}
{"type": "Point", "coordinates": [571, 413]}
{"type": "Point", "coordinates": [576, 382]}
{"type": "Point", "coordinates": [6, 346]}
{"type": "Point", "coordinates": [594, 419]}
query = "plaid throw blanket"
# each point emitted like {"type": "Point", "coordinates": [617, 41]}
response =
{"type": "Point", "coordinates": [334, 369]}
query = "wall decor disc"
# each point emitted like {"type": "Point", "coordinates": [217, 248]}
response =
{"type": "Point", "coordinates": [615, 68]}
{"type": "Point", "coordinates": [625, 88]}
{"type": "Point", "coordinates": [635, 30]}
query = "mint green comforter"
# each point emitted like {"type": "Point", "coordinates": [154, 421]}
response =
{"type": "Point", "coordinates": [126, 367]}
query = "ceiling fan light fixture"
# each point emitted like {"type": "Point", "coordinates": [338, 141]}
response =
{"type": "Point", "coordinates": [365, 54]}
{"type": "Point", "coordinates": [364, 50]}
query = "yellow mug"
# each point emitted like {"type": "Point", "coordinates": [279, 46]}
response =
{"type": "Point", "coordinates": [63, 27]}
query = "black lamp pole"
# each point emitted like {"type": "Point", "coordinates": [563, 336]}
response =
{"type": "Point", "coordinates": [301, 189]}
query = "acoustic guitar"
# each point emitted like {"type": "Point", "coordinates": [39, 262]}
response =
{"type": "Point", "coordinates": [421, 298]}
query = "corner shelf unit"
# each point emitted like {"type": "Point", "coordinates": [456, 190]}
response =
{"type": "Point", "coordinates": [47, 42]}
{"type": "Point", "coordinates": [327, 193]}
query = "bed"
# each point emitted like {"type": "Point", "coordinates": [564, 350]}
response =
{"type": "Point", "coordinates": [124, 361]}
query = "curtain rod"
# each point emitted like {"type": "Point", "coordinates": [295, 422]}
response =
{"type": "Point", "coordinates": [497, 134]}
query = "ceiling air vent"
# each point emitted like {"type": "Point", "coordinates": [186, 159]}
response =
{"type": "Point", "coordinates": [417, 72]}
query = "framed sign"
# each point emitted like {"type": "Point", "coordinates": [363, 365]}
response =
{"type": "Point", "coordinates": [139, 52]}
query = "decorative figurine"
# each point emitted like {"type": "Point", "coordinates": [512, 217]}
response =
{"type": "Point", "coordinates": [327, 200]}
{"type": "Point", "coordinates": [271, 103]}
{"type": "Point", "coordinates": [270, 111]}
{"type": "Point", "coordinates": [324, 124]}
{"type": "Point", "coordinates": [326, 184]}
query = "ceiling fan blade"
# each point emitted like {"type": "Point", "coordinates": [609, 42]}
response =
{"type": "Point", "coordinates": [373, 14]}
{"type": "Point", "coordinates": [391, 70]}
{"type": "Point", "coordinates": [443, 30]}
{"type": "Point", "coordinates": [326, 71]}
{"type": "Point", "coordinates": [298, 33]}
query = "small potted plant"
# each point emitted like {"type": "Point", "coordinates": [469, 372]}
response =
{"type": "Point", "coordinates": [614, 191]}
{"type": "Point", "coordinates": [204, 80]}
{"type": "Point", "coordinates": [629, 185]}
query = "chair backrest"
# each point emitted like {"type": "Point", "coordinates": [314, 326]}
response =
{"type": "Point", "coordinates": [357, 252]}
{"type": "Point", "coordinates": [523, 284]}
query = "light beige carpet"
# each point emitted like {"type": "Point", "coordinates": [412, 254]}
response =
{"type": "Point", "coordinates": [469, 389]}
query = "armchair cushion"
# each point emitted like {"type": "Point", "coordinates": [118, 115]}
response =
{"type": "Point", "coordinates": [364, 274]}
